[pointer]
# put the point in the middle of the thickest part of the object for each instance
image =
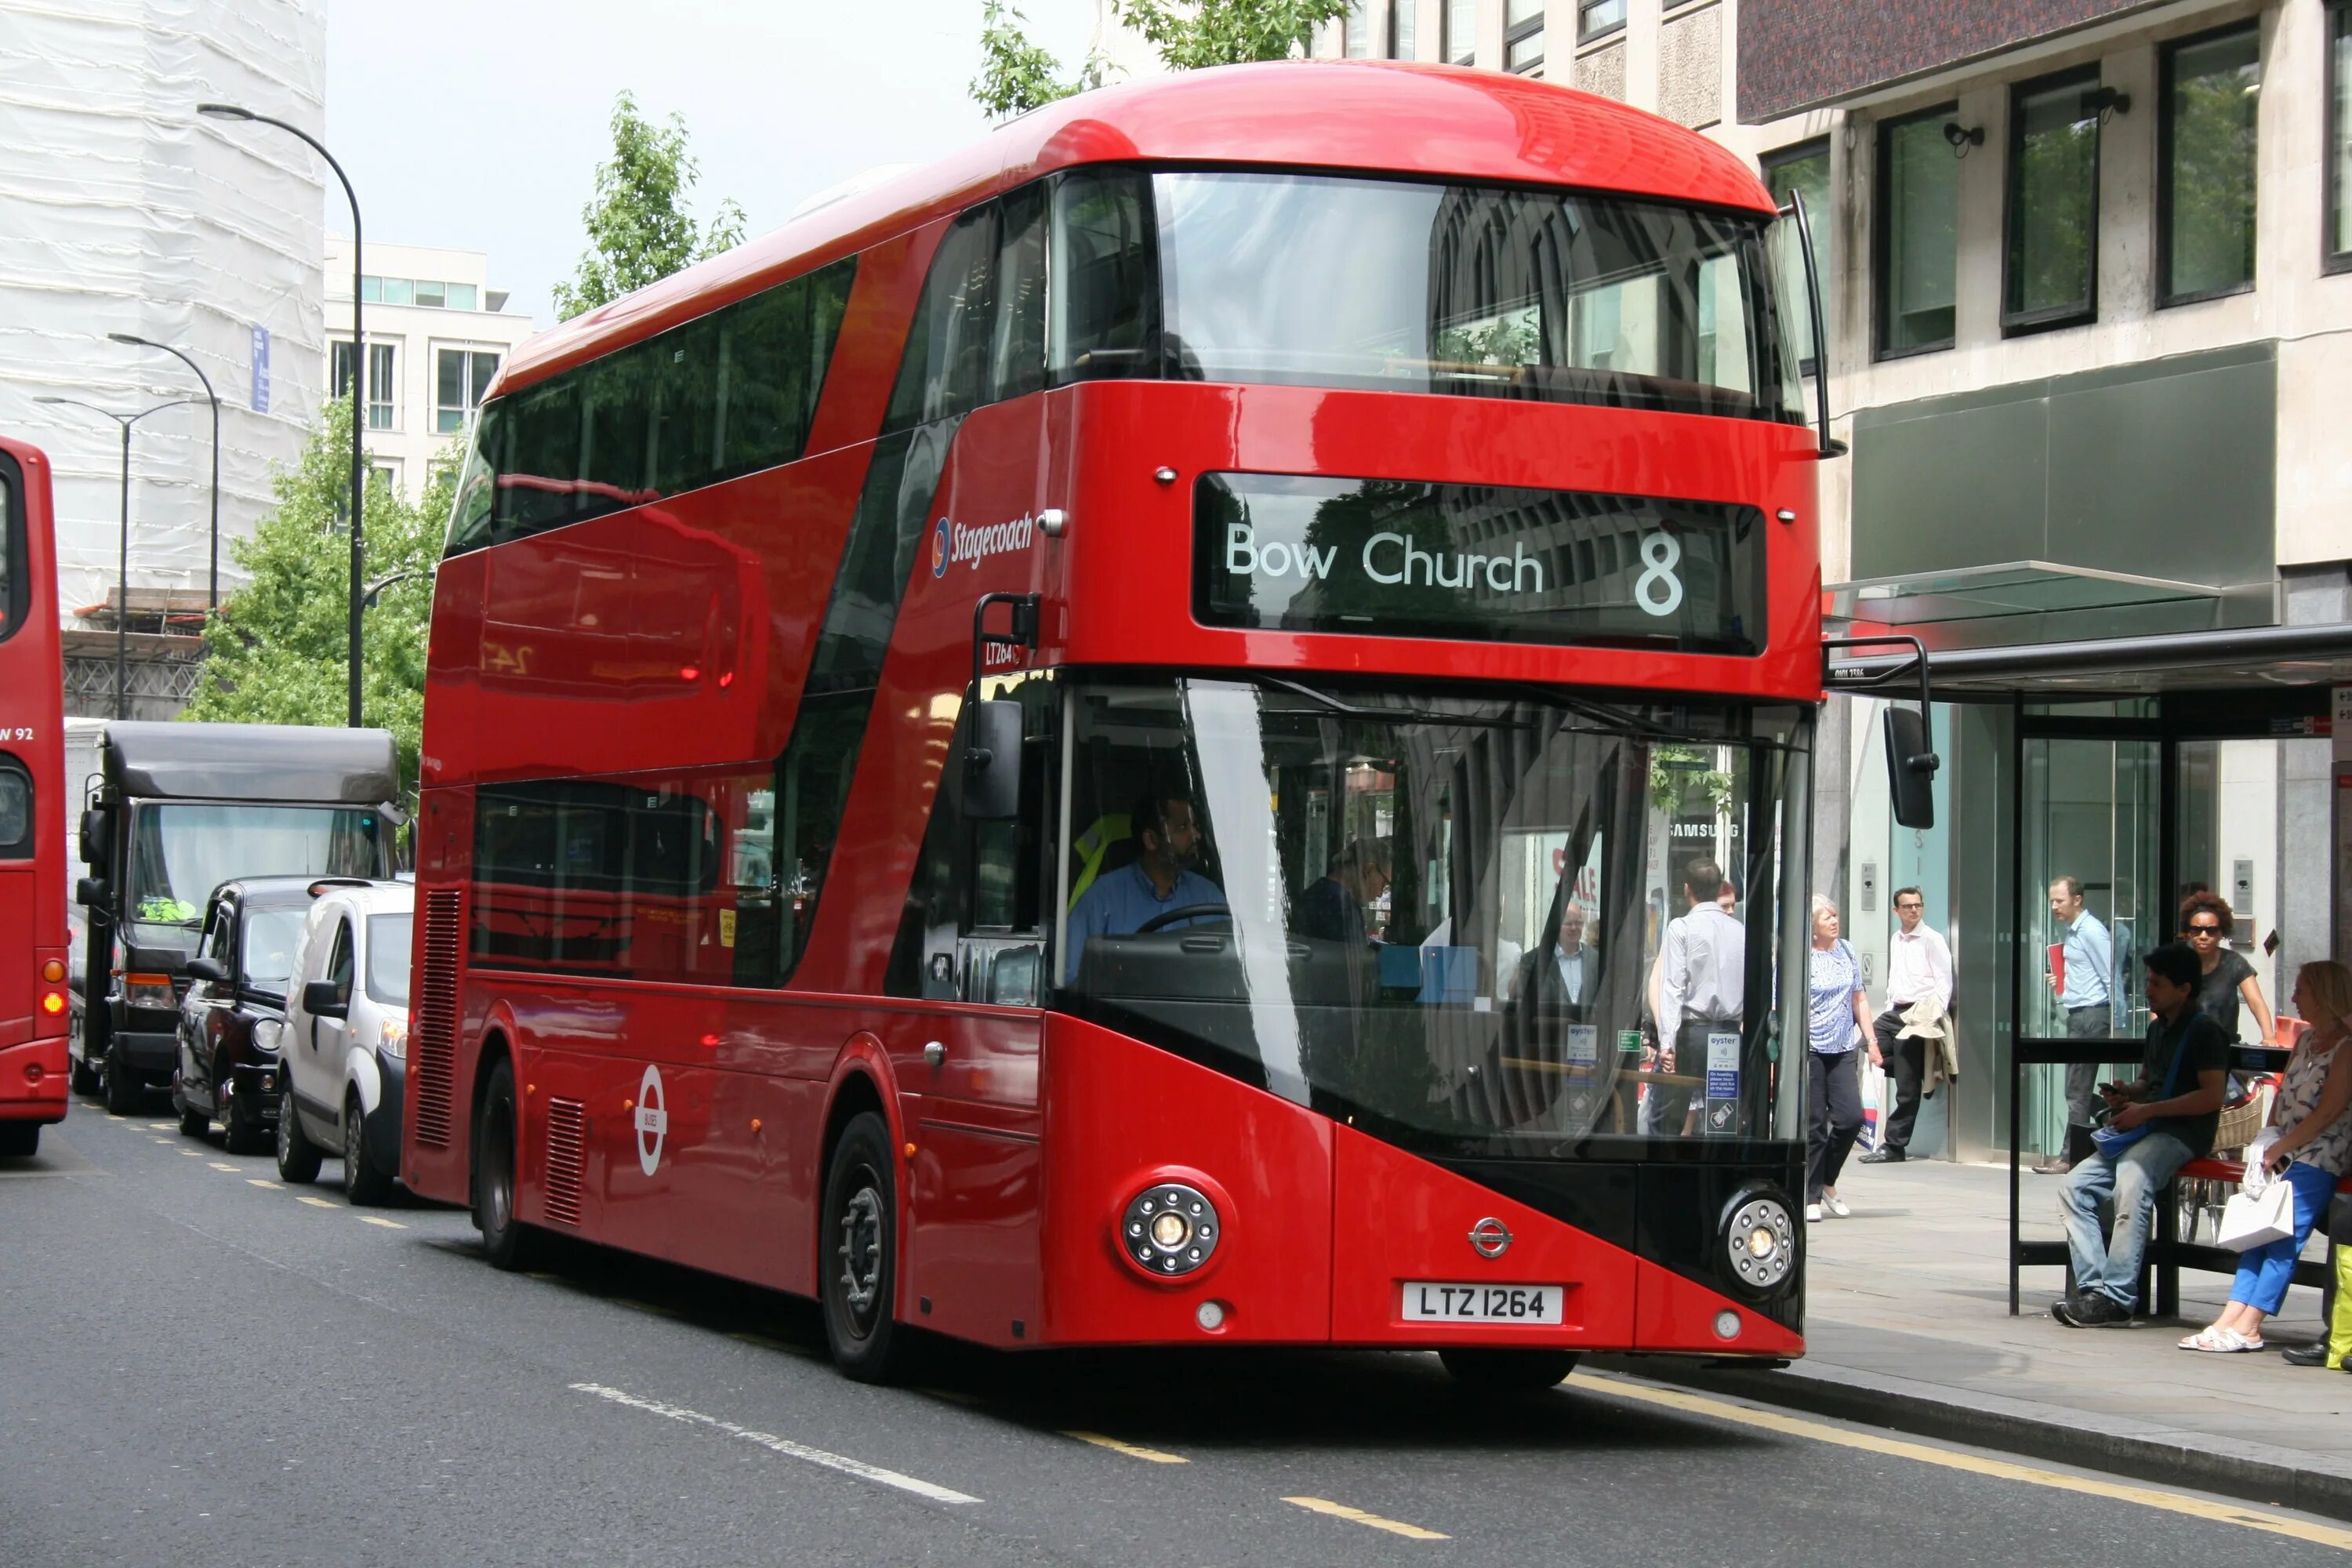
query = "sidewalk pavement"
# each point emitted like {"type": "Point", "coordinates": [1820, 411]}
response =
{"type": "Point", "coordinates": [1908, 1326]}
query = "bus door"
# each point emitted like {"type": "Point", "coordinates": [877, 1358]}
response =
{"type": "Point", "coordinates": [975, 1199]}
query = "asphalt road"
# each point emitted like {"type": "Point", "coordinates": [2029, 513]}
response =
{"type": "Point", "coordinates": [199, 1365]}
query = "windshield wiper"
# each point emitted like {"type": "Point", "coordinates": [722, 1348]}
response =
{"type": "Point", "coordinates": [1420, 715]}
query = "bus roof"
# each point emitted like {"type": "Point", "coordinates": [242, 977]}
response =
{"type": "Point", "coordinates": [1385, 116]}
{"type": "Point", "coordinates": [251, 761]}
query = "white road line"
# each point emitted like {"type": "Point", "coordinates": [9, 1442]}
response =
{"type": "Point", "coordinates": [258, 1182]}
{"type": "Point", "coordinates": [387, 1224]}
{"type": "Point", "coordinates": [783, 1446]}
{"type": "Point", "coordinates": [317, 1203]}
{"type": "Point", "coordinates": [232, 1170]}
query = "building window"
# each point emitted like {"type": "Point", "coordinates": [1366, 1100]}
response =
{"type": "Point", "coordinates": [1802, 170]}
{"type": "Point", "coordinates": [2205, 183]}
{"type": "Point", "coordinates": [1462, 32]}
{"type": "Point", "coordinates": [1917, 233]}
{"type": "Point", "coordinates": [1597, 17]}
{"type": "Point", "coordinates": [2051, 277]}
{"type": "Point", "coordinates": [1401, 30]}
{"type": "Point", "coordinates": [433, 295]}
{"type": "Point", "coordinates": [459, 378]}
{"type": "Point", "coordinates": [1523, 35]}
{"type": "Point", "coordinates": [1357, 32]}
{"type": "Point", "coordinates": [380, 391]}
{"type": "Point", "coordinates": [2339, 232]}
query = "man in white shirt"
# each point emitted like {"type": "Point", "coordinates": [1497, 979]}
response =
{"type": "Point", "coordinates": [1918, 965]}
{"type": "Point", "coordinates": [1701, 992]}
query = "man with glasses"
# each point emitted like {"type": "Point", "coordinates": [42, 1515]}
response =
{"type": "Point", "coordinates": [1918, 969]}
{"type": "Point", "coordinates": [2087, 956]}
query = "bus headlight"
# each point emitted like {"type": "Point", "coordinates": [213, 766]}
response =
{"type": "Point", "coordinates": [1759, 1241]}
{"type": "Point", "coordinates": [1170, 1229]}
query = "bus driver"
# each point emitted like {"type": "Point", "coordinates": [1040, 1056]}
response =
{"type": "Point", "coordinates": [1160, 880]}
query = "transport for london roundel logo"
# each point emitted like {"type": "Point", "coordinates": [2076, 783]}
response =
{"type": "Point", "coordinates": [940, 543]}
{"type": "Point", "coordinates": [652, 1120]}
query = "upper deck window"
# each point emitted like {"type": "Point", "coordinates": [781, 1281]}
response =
{"type": "Point", "coordinates": [1310, 280]}
{"type": "Point", "coordinates": [11, 533]}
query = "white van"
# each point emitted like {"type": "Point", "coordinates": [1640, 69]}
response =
{"type": "Point", "coordinates": [345, 1056]}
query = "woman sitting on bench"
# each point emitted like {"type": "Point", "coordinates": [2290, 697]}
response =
{"type": "Point", "coordinates": [2314, 1116]}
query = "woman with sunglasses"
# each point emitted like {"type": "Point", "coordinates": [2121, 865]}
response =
{"type": "Point", "coordinates": [2227, 979]}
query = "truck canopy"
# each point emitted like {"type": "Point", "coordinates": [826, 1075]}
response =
{"type": "Point", "coordinates": [250, 762]}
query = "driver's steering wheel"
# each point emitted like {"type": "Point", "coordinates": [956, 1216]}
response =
{"type": "Point", "coordinates": [1188, 913]}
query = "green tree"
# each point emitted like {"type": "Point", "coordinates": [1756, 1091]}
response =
{"type": "Point", "coordinates": [1017, 76]}
{"type": "Point", "coordinates": [639, 231]}
{"type": "Point", "coordinates": [278, 652]}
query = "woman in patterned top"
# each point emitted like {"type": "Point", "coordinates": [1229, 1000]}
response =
{"type": "Point", "coordinates": [2314, 1116]}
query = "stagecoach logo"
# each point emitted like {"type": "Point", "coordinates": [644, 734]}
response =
{"type": "Point", "coordinates": [953, 543]}
{"type": "Point", "coordinates": [1490, 1237]}
{"type": "Point", "coordinates": [653, 1120]}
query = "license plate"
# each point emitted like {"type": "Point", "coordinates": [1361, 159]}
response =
{"type": "Point", "coordinates": [1431, 1301]}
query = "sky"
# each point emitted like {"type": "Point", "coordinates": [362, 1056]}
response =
{"type": "Point", "coordinates": [478, 124]}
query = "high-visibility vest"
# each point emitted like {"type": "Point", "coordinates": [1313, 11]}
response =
{"type": "Point", "coordinates": [1092, 846]}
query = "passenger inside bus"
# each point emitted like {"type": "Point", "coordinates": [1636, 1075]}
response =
{"type": "Point", "coordinates": [1159, 882]}
{"type": "Point", "coordinates": [1332, 906]}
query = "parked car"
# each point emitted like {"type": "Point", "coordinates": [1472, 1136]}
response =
{"type": "Point", "coordinates": [233, 1011]}
{"type": "Point", "coordinates": [346, 1043]}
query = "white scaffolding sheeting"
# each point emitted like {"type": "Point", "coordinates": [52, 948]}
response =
{"type": "Point", "coordinates": [121, 211]}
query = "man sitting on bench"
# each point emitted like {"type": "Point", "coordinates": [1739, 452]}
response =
{"type": "Point", "coordinates": [2174, 1108]}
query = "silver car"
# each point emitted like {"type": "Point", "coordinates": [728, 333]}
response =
{"type": "Point", "coordinates": [344, 1053]}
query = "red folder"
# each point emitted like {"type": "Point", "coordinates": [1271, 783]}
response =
{"type": "Point", "coordinates": [2058, 966]}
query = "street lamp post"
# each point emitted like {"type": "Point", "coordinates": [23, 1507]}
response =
{"type": "Point", "coordinates": [359, 372]}
{"type": "Point", "coordinates": [212, 586]}
{"type": "Point", "coordinates": [122, 588]}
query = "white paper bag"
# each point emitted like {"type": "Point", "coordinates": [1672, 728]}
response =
{"type": "Point", "coordinates": [2257, 1158]}
{"type": "Point", "coordinates": [2251, 1221]}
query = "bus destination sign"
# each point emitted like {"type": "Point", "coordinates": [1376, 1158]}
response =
{"type": "Point", "coordinates": [1390, 558]}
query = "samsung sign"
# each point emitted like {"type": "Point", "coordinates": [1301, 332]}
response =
{"type": "Point", "coordinates": [1388, 558]}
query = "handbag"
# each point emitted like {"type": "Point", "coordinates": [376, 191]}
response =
{"type": "Point", "coordinates": [2256, 1220]}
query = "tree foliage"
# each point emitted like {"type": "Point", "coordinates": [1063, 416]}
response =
{"type": "Point", "coordinates": [278, 653]}
{"type": "Point", "coordinates": [639, 230]}
{"type": "Point", "coordinates": [1016, 75]}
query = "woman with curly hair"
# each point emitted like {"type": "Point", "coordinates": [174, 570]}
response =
{"type": "Point", "coordinates": [2206, 924]}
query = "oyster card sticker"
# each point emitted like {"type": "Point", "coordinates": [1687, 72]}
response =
{"type": "Point", "coordinates": [1722, 1064]}
{"type": "Point", "coordinates": [1583, 1045]}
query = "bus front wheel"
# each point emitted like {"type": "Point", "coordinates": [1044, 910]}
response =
{"type": "Point", "coordinates": [1508, 1370]}
{"type": "Point", "coordinates": [857, 1253]}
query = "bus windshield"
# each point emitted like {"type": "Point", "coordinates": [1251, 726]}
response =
{"type": "Point", "coordinates": [178, 854]}
{"type": "Point", "coordinates": [1437, 915]}
{"type": "Point", "coordinates": [1560, 297]}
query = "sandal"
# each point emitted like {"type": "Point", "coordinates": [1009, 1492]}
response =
{"type": "Point", "coordinates": [2215, 1341]}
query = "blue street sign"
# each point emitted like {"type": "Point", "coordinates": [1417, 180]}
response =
{"type": "Point", "coordinates": [262, 370]}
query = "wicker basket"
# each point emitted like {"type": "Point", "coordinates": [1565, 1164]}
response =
{"type": "Point", "coordinates": [2240, 1122]}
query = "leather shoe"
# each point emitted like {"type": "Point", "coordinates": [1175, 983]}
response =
{"type": "Point", "coordinates": [2056, 1165]}
{"type": "Point", "coordinates": [2312, 1354]}
{"type": "Point", "coordinates": [1890, 1155]}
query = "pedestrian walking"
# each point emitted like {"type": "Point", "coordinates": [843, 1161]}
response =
{"type": "Point", "coordinates": [1918, 968]}
{"type": "Point", "coordinates": [1837, 1021]}
{"type": "Point", "coordinates": [2157, 1125]}
{"type": "Point", "coordinates": [2079, 979]}
{"type": "Point", "coordinates": [2312, 1114]}
{"type": "Point", "coordinates": [2207, 925]}
{"type": "Point", "coordinates": [1702, 987]}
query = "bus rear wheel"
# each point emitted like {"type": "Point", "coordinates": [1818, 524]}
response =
{"type": "Point", "coordinates": [857, 1253]}
{"type": "Point", "coordinates": [1508, 1372]}
{"type": "Point", "coordinates": [20, 1139]}
{"type": "Point", "coordinates": [506, 1241]}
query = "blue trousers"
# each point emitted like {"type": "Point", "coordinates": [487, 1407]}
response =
{"type": "Point", "coordinates": [2264, 1272]}
{"type": "Point", "coordinates": [2121, 1193]}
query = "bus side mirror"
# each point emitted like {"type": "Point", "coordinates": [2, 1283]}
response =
{"type": "Point", "coordinates": [991, 763]}
{"type": "Point", "coordinates": [1910, 768]}
{"type": "Point", "coordinates": [97, 837]}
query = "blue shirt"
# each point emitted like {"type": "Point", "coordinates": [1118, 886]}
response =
{"type": "Point", "coordinates": [1834, 976]}
{"type": "Point", "coordinates": [2090, 956]}
{"type": "Point", "coordinates": [1120, 902]}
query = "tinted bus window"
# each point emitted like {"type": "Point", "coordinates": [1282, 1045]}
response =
{"type": "Point", "coordinates": [10, 544]}
{"type": "Point", "coordinates": [1017, 347]}
{"type": "Point", "coordinates": [945, 371]}
{"type": "Point", "coordinates": [1105, 294]}
{"type": "Point", "coordinates": [15, 810]}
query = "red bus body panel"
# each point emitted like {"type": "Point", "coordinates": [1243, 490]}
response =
{"type": "Point", "coordinates": [598, 649]}
{"type": "Point", "coordinates": [34, 1014]}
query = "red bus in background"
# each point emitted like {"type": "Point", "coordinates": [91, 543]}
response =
{"type": "Point", "coordinates": [1095, 745]}
{"type": "Point", "coordinates": [34, 1013]}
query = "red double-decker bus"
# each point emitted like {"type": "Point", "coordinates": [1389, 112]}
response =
{"type": "Point", "coordinates": [34, 809]}
{"type": "Point", "coordinates": [1098, 745]}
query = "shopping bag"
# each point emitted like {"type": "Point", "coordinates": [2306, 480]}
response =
{"type": "Point", "coordinates": [2252, 1221]}
{"type": "Point", "coordinates": [2257, 1159]}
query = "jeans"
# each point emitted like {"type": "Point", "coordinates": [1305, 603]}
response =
{"type": "Point", "coordinates": [1834, 1101]}
{"type": "Point", "coordinates": [1907, 1062]}
{"type": "Point", "coordinates": [2100, 1193]}
{"type": "Point", "coordinates": [2264, 1272]}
